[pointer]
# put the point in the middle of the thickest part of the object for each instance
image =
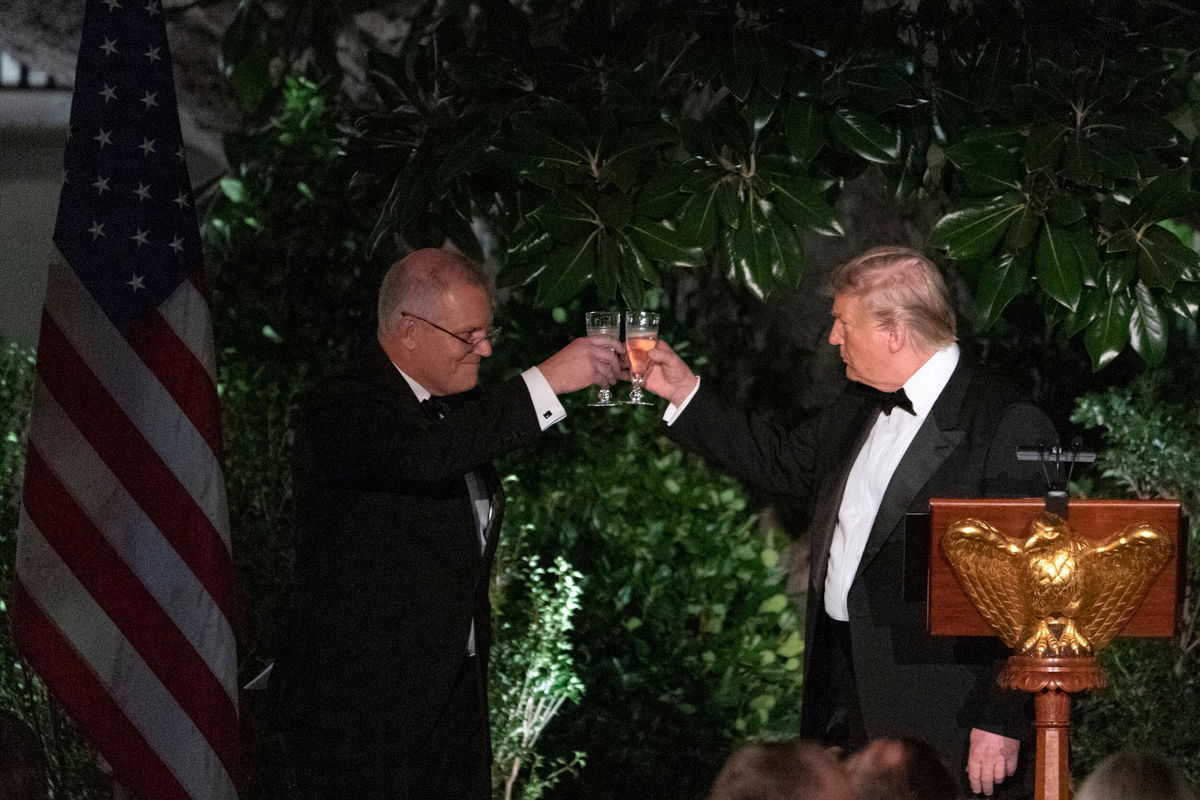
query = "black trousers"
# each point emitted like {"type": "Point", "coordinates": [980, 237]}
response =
{"type": "Point", "coordinates": [453, 763]}
{"type": "Point", "coordinates": [835, 718]}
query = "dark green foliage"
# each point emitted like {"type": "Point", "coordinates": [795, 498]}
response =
{"type": "Point", "coordinates": [1151, 439]}
{"type": "Point", "coordinates": [685, 639]}
{"type": "Point", "coordinates": [70, 768]}
{"type": "Point", "coordinates": [607, 144]}
{"type": "Point", "coordinates": [284, 241]}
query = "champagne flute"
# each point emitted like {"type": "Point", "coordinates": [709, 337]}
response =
{"type": "Point", "coordinates": [641, 332]}
{"type": "Point", "coordinates": [603, 323]}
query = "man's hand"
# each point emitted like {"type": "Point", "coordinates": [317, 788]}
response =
{"type": "Point", "coordinates": [585, 361]}
{"type": "Point", "coordinates": [668, 376]}
{"type": "Point", "coordinates": [991, 759]}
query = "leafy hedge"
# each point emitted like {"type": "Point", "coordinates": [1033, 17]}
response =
{"type": "Point", "coordinates": [1151, 434]}
{"type": "Point", "coordinates": [685, 640]}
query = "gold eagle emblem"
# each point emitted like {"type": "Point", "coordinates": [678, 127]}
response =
{"type": "Point", "coordinates": [1054, 594]}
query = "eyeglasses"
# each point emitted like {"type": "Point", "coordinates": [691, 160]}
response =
{"type": "Point", "coordinates": [488, 334]}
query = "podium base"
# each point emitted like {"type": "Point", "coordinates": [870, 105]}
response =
{"type": "Point", "coordinates": [1052, 681]}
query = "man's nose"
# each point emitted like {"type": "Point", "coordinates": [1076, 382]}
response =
{"type": "Point", "coordinates": [835, 338]}
{"type": "Point", "coordinates": [484, 348]}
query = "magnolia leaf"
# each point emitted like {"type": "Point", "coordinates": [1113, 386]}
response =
{"type": "Point", "coordinates": [804, 130]}
{"type": "Point", "coordinates": [567, 272]}
{"type": "Point", "coordinates": [998, 285]}
{"type": "Point", "coordinates": [1163, 259]}
{"type": "Point", "coordinates": [1184, 300]}
{"type": "Point", "coordinates": [864, 135]}
{"type": "Point", "coordinates": [805, 208]}
{"type": "Point", "coordinates": [1059, 265]}
{"type": "Point", "coordinates": [1107, 336]}
{"type": "Point", "coordinates": [974, 231]}
{"type": "Point", "coordinates": [662, 240]}
{"type": "Point", "coordinates": [1147, 327]}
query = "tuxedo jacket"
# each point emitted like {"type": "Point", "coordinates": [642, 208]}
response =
{"type": "Point", "coordinates": [388, 572]}
{"type": "Point", "coordinates": [907, 681]}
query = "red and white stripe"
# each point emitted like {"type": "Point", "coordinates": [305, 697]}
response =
{"type": "Point", "coordinates": [124, 577]}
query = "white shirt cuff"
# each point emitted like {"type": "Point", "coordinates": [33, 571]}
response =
{"type": "Point", "coordinates": [545, 401]}
{"type": "Point", "coordinates": [673, 411]}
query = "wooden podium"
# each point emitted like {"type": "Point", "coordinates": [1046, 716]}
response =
{"type": "Point", "coordinates": [1052, 680]}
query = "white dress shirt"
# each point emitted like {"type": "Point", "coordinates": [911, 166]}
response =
{"type": "Point", "coordinates": [886, 444]}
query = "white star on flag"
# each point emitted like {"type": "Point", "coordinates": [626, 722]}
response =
{"type": "Point", "coordinates": [153, 55]}
{"type": "Point", "coordinates": [112, 5]}
{"type": "Point", "coordinates": [149, 99]}
{"type": "Point", "coordinates": [152, 7]}
{"type": "Point", "coordinates": [135, 282]}
{"type": "Point", "coordinates": [97, 230]}
{"type": "Point", "coordinates": [108, 93]}
{"type": "Point", "coordinates": [140, 237]}
{"type": "Point", "coordinates": [109, 47]}
{"type": "Point", "coordinates": [176, 244]}
{"type": "Point", "coordinates": [182, 199]}
{"type": "Point", "coordinates": [101, 184]}
{"type": "Point", "coordinates": [103, 137]}
{"type": "Point", "coordinates": [147, 146]}
{"type": "Point", "coordinates": [143, 191]}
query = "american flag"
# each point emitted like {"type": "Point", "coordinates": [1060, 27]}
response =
{"type": "Point", "coordinates": [123, 595]}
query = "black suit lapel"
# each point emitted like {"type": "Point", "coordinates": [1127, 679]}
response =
{"type": "Point", "coordinates": [936, 439]}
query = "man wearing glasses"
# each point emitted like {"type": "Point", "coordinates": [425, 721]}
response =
{"type": "Point", "coordinates": [379, 690]}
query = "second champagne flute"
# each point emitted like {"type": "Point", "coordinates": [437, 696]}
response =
{"type": "Point", "coordinates": [641, 332]}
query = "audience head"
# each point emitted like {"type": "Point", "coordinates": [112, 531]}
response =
{"type": "Point", "coordinates": [781, 771]}
{"type": "Point", "coordinates": [22, 764]}
{"type": "Point", "coordinates": [1133, 775]}
{"type": "Point", "coordinates": [899, 769]}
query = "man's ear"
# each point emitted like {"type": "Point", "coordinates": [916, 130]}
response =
{"type": "Point", "coordinates": [897, 338]}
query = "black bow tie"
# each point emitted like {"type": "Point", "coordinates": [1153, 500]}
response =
{"type": "Point", "coordinates": [886, 400]}
{"type": "Point", "coordinates": [436, 407]}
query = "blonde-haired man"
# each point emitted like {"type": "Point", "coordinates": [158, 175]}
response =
{"type": "Point", "coordinates": [915, 421]}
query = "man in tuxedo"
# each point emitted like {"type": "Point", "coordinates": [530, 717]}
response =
{"type": "Point", "coordinates": [871, 669]}
{"type": "Point", "coordinates": [379, 689]}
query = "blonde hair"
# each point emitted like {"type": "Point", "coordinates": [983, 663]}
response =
{"type": "Point", "coordinates": [900, 287]}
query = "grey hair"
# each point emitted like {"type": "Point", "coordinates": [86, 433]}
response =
{"type": "Point", "coordinates": [900, 287]}
{"type": "Point", "coordinates": [419, 282]}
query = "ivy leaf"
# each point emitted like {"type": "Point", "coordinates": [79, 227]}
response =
{"type": "Point", "coordinates": [864, 135]}
{"type": "Point", "coordinates": [1059, 265]}
{"type": "Point", "coordinates": [998, 286]}
{"type": "Point", "coordinates": [974, 231]}
{"type": "Point", "coordinates": [804, 130]}
{"type": "Point", "coordinates": [805, 208]}
{"type": "Point", "coordinates": [1107, 336]}
{"type": "Point", "coordinates": [1163, 259]}
{"type": "Point", "coordinates": [1147, 328]}
{"type": "Point", "coordinates": [567, 272]}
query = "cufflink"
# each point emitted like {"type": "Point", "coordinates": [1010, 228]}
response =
{"type": "Point", "coordinates": [547, 414]}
